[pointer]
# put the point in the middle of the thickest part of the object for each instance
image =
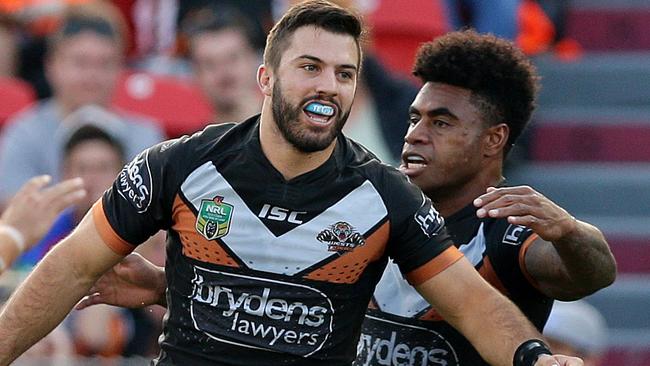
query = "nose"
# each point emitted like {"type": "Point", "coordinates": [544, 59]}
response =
{"type": "Point", "coordinates": [416, 134]}
{"type": "Point", "coordinates": [327, 83]}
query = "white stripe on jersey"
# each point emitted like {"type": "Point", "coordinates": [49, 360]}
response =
{"type": "Point", "coordinates": [396, 296]}
{"type": "Point", "coordinates": [295, 250]}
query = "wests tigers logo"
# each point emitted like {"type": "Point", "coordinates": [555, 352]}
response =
{"type": "Point", "coordinates": [341, 237]}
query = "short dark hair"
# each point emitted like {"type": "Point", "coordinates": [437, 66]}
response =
{"type": "Point", "coordinates": [101, 18]}
{"type": "Point", "coordinates": [215, 18]}
{"type": "Point", "coordinates": [90, 132]}
{"type": "Point", "coordinates": [502, 80]}
{"type": "Point", "coordinates": [318, 13]}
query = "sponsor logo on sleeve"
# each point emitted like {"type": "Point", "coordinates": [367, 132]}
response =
{"type": "Point", "coordinates": [167, 144]}
{"type": "Point", "coordinates": [213, 219]}
{"type": "Point", "coordinates": [341, 237]}
{"type": "Point", "coordinates": [260, 313]}
{"type": "Point", "coordinates": [388, 343]}
{"type": "Point", "coordinates": [513, 234]}
{"type": "Point", "coordinates": [134, 182]}
{"type": "Point", "coordinates": [430, 221]}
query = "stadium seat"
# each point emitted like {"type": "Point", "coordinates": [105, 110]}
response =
{"type": "Point", "coordinates": [177, 104]}
{"type": "Point", "coordinates": [398, 28]}
{"type": "Point", "coordinates": [15, 95]}
{"type": "Point", "coordinates": [610, 25]}
{"type": "Point", "coordinates": [588, 141]}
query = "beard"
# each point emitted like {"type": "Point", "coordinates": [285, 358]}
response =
{"type": "Point", "coordinates": [287, 117]}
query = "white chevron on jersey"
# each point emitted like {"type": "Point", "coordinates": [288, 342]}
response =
{"type": "Point", "coordinates": [258, 247]}
{"type": "Point", "coordinates": [396, 296]}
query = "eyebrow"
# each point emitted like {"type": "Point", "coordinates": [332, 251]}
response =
{"type": "Point", "coordinates": [318, 60]}
{"type": "Point", "coordinates": [442, 111]}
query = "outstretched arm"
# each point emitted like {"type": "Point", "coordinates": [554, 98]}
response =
{"type": "Point", "coordinates": [31, 212]}
{"type": "Point", "coordinates": [571, 259]}
{"type": "Point", "coordinates": [493, 324]}
{"type": "Point", "coordinates": [133, 283]}
{"type": "Point", "coordinates": [52, 289]}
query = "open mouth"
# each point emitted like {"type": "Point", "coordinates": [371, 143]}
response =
{"type": "Point", "coordinates": [412, 163]}
{"type": "Point", "coordinates": [319, 113]}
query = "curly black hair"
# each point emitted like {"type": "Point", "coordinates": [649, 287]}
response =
{"type": "Point", "coordinates": [503, 81]}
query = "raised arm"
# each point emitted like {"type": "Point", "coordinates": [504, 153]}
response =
{"type": "Point", "coordinates": [53, 288]}
{"type": "Point", "coordinates": [571, 258]}
{"type": "Point", "coordinates": [493, 324]}
{"type": "Point", "coordinates": [31, 212]}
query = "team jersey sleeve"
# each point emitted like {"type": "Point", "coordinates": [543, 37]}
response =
{"type": "Point", "coordinates": [419, 242]}
{"type": "Point", "coordinates": [139, 202]}
{"type": "Point", "coordinates": [511, 243]}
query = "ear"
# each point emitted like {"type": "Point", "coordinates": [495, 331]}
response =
{"type": "Point", "coordinates": [264, 80]}
{"type": "Point", "coordinates": [495, 140]}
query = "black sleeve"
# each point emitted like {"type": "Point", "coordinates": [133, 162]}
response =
{"type": "Point", "coordinates": [139, 203]}
{"type": "Point", "coordinates": [418, 232]}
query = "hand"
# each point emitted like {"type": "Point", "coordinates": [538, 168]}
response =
{"type": "Point", "coordinates": [558, 360]}
{"type": "Point", "coordinates": [33, 209]}
{"type": "Point", "coordinates": [524, 206]}
{"type": "Point", "coordinates": [133, 283]}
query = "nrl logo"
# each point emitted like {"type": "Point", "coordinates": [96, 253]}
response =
{"type": "Point", "coordinates": [213, 220]}
{"type": "Point", "coordinates": [341, 237]}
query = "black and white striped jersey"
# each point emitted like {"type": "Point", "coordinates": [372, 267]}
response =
{"type": "Point", "coordinates": [261, 270]}
{"type": "Point", "coordinates": [401, 328]}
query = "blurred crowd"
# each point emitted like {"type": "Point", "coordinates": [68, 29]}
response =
{"type": "Point", "coordinates": [80, 72]}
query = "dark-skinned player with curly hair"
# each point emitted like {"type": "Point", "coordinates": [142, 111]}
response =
{"type": "Point", "coordinates": [477, 97]}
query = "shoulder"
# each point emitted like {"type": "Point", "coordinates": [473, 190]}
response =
{"type": "Point", "coordinates": [41, 114]}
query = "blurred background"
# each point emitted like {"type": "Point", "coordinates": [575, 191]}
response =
{"type": "Point", "coordinates": [140, 71]}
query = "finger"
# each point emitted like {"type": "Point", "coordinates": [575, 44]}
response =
{"type": "Point", "coordinates": [494, 193]}
{"type": "Point", "coordinates": [491, 194]}
{"type": "Point", "coordinates": [492, 209]}
{"type": "Point", "coordinates": [89, 300]}
{"type": "Point", "coordinates": [65, 193]}
{"type": "Point", "coordinates": [515, 209]}
{"type": "Point", "coordinates": [546, 360]}
{"type": "Point", "coordinates": [35, 184]}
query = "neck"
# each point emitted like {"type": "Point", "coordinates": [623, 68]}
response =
{"type": "Point", "coordinates": [284, 157]}
{"type": "Point", "coordinates": [449, 200]}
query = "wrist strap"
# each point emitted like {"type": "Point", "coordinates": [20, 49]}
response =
{"type": "Point", "coordinates": [528, 352]}
{"type": "Point", "coordinates": [17, 237]}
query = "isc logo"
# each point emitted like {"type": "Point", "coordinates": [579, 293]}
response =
{"type": "Point", "coordinates": [280, 214]}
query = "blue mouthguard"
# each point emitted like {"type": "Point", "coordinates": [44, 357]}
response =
{"type": "Point", "coordinates": [321, 109]}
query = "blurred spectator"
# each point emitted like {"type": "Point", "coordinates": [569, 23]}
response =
{"type": "Point", "coordinates": [578, 329]}
{"type": "Point", "coordinates": [498, 17]}
{"type": "Point", "coordinates": [83, 64]}
{"type": "Point", "coordinates": [90, 152]}
{"type": "Point", "coordinates": [259, 15]}
{"type": "Point", "coordinates": [94, 155]}
{"type": "Point", "coordinates": [224, 57]}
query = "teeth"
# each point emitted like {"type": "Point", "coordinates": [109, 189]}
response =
{"type": "Point", "coordinates": [415, 165]}
{"type": "Point", "coordinates": [320, 109]}
{"type": "Point", "coordinates": [415, 158]}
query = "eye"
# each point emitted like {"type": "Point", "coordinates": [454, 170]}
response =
{"type": "Point", "coordinates": [413, 119]}
{"type": "Point", "coordinates": [346, 75]}
{"type": "Point", "coordinates": [440, 123]}
{"type": "Point", "coordinates": [310, 67]}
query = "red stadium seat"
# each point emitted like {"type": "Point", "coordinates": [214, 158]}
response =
{"type": "Point", "coordinates": [398, 28]}
{"type": "Point", "coordinates": [15, 95]}
{"type": "Point", "coordinates": [178, 105]}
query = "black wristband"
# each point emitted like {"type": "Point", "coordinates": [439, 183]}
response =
{"type": "Point", "coordinates": [528, 352]}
